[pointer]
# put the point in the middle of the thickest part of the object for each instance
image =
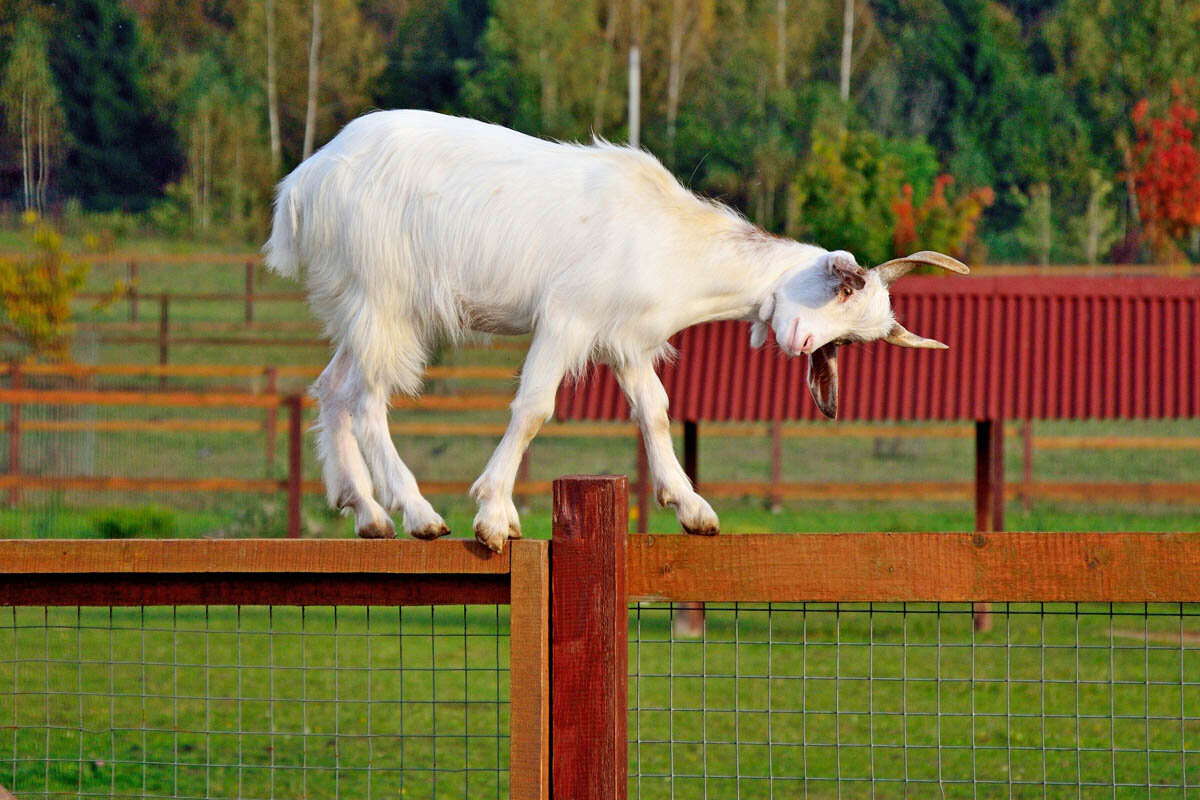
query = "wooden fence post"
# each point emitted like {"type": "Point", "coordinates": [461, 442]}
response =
{"type": "Point", "coordinates": [272, 417]}
{"type": "Point", "coordinates": [14, 435]}
{"type": "Point", "coordinates": [529, 664]}
{"type": "Point", "coordinates": [774, 501]}
{"type": "Point", "coordinates": [249, 292]}
{"type": "Point", "coordinates": [132, 291]}
{"type": "Point", "coordinates": [164, 332]}
{"type": "Point", "coordinates": [589, 634]}
{"type": "Point", "coordinates": [295, 478]}
{"type": "Point", "coordinates": [989, 492]}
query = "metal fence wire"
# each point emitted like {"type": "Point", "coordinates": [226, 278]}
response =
{"type": "Point", "coordinates": [909, 701]}
{"type": "Point", "coordinates": [255, 702]}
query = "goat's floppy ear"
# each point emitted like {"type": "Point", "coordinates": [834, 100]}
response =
{"type": "Point", "coordinates": [759, 330]}
{"type": "Point", "coordinates": [846, 271]}
{"type": "Point", "coordinates": [823, 379]}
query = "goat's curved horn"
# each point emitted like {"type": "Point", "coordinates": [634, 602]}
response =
{"type": "Point", "coordinates": [897, 268]}
{"type": "Point", "coordinates": [901, 336]}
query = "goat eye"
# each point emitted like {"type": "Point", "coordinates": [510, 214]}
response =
{"type": "Point", "coordinates": [847, 291]}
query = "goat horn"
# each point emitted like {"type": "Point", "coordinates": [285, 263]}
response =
{"type": "Point", "coordinates": [901, 336]}
{"type": "Point", "coordinates": [897, 268]}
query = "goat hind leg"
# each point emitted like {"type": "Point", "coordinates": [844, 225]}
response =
{"type": "Point", "coordinates": [396, 484]}
{"type": "Point", "coordinates": [347, 482]}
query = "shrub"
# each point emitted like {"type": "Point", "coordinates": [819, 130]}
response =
{"type": "Point", "coordinates": [145, 522]}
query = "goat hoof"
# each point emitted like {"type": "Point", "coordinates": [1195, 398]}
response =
{"type": "Point", "coordinates": [431, 532]}
{"type": "Point", "coordinates": [704, 530]}
{"type": "Point", "coordinates": [378, 530]}
{"type": "Point", "coordinates": [514, 532]}
{"type": "Point", "coordinates": [490, 539]}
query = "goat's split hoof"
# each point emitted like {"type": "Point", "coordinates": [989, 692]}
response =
{"type": "Point", "coordinates": [378, 530]}
{"type": "Point", "coordinates": [490, 539]}
{"type": "Point", "coordinates": [514, 532]}
{"type": "Point", "coordinates": [706, 530]}
{"type": "Point", "coordinates": [431, 532]}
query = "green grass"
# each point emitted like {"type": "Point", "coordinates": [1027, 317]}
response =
{"type": "Point", "coordinates": [253, 702]}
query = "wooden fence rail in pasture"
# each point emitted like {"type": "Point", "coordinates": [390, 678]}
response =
{"type": "Point", "coordinates": [294, 406]}
{"type": "Point", "coordinates": [831, 663]}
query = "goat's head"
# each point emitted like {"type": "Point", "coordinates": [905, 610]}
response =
{"type": "Point", "coordinates": [833, 301]}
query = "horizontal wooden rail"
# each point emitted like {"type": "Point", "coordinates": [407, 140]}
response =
{"type": "Point", "coordinates": [449, 372]}
{"type": "Point", "coordinates": [475, 401]}
{"type": "Point", "coordinates": [252, 572]}
{"type": "Point", "coordinates": [143, 426]}
{"type": "Point", "coordinates": [111, 483]}
{"type": "Point", "coordinates": [916, 567]}
{"type": "Point", "coordinates": [397, 556]}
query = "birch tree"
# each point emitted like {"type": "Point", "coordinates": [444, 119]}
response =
{"type": "Point", "coordinates": [273, 89]}
{"type": "Point", "coordinates": [31, 105]}
{"type": "Point", "coordinates": [314, 60]}
{"type": "Point", "coordinates": [847, 47]}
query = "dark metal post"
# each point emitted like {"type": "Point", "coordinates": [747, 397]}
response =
{"type": "Point", "coordinates": [989, 492]}
{"type": "Point", "coordinates": [643, 486]}
{"type": "Point", "coordinates": [689, 617]}
{"type": "Point", "coordinates": [14, 436]}
{"type": "Point", "coordinates": [164, 333]}
{"type": "Point", "coordinates": [132, 291]}
{"type": "Point", "coordinates": [272, 416]}
{"type": "Point", "coordinates": [249, 292]}
{"type": "Point", "coordinates": [589, 638]}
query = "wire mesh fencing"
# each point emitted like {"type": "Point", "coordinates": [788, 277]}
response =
{"type": "Point", "coordinates": [255, 701]}
{"type": "Point", "coordinates": [908, 700]}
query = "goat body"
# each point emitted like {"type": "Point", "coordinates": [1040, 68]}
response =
{"type": "Point", "coordinates": [414, 227]}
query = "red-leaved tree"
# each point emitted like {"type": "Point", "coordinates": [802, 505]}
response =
{"type": "Point", "coordinates": [1166, 175]}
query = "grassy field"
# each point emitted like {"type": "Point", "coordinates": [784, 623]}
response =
{"type": "Point", "coordinates": [227, 702]}
{"type": "Point", "coordinates": [786, 701]}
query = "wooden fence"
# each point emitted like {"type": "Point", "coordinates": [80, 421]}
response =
{"type": "Point", "coordinates": [271, 402]}
{"type": "Point", "coordinates": [571, 630]}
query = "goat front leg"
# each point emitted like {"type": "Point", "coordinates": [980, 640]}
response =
{"type": "Point", "coordinates": [648, 403]}
{"type": "Point", "coordinates": [497, 519]}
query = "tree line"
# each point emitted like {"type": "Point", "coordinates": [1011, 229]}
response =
{"type": "Point", "coordinates": [1025, 130]}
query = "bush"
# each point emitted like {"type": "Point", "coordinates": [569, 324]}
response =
{"type": "Point", "coordinates": [145, 522]}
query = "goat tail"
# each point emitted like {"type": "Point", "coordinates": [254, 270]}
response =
{"type": "Point", "coordinates": [280, 250]}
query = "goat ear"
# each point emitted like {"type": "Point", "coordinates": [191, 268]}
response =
{"type": "Point", "coordinates": [846, 271]}
{"type": "Point", "coordinates": [758, 334]}
{"type": "Point", "coordinates": [759, 330]}
{"type": "Point", "coordinates": [823, 379]}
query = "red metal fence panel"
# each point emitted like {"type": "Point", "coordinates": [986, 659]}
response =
{"type": "Point", "coordinates": [1029, 347]}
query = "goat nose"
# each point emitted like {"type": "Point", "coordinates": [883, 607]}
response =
{"type": "Point", "coordinates": [807, 347]}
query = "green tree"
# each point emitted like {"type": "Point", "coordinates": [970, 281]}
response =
{"type": "Point", "coordinates": [122, 152]}
{"type": "Point", "coordinates": [31, 106]}
{"type": "Point", "coordinates": [436, 44]}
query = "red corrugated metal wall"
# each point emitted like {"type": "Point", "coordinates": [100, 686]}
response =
{"type": "Point", "coordinates": [1039, 348]}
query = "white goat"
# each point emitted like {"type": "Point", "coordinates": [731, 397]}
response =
{"type": "Point", "coordinates": [414, 227]}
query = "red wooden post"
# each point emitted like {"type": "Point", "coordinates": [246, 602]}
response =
{"type": "Point", "coordinates": [989, 492]}
{"type": "Point", "coordinates": [14, 435]}
{"type": "Point", "coordinates": [132, 291]}
{"type": "Point", "coordinates": [774, 502]}
{"type": "Point", "coordinates": [643, 486]}
{"type": "Point", "coordinates": [589, 638]}
{"type": "Point", "coordinates": [272, 415]}
{"type": "Point", "coordinates": [295, 479]}
{"type": "Point", "coordinates": [249, 292]}
{"type": "Point", "coordinates": [689, 617]}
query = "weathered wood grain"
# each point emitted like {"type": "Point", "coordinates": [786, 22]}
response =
{"type": "Point", "coordinates": [589, 638]}
{"type": "Point", "coordinates": [249, 556]}
{"type": "Point", "coordinates": [947, 567]}
{"type": "Point", "coordinates": [529, 669]}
